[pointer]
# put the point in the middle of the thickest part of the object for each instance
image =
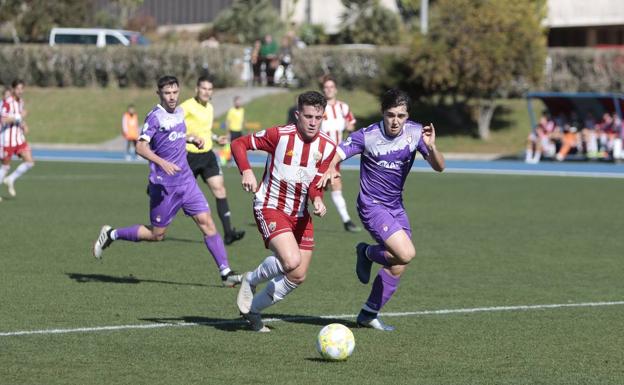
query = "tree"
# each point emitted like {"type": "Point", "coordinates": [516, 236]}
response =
{"type": "Point", "coordinates": [8, 10]}
{"type": "Point", "coordinates": [367, 22]}
{"type": "Point", "coordinates": [33, 19]}
{"type": "Point", "coordinates": [478, 51]}
{"type": "Point", "coordinates": [127, 7]}
{"type": "Point", "coordinates": [248, 20]}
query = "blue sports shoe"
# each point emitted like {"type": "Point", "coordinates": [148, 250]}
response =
{"type": "Point", "coordinates": [373, 322]}
{"type": "Point", "coordinates": [363, 264]}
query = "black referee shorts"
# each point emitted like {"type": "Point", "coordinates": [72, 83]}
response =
{"type": "Point", "coordinates": [235, 135]}
{"type": "Point", "coordinates": [204, 164]}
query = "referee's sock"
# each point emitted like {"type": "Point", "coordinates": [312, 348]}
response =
{"type": "Point", "coordinates": [223, 209]}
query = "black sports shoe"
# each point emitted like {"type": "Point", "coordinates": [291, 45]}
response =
{"type": "Point", "coordinates": [352, 227]}
{"type": "Point", "coordinates": [233, 236]}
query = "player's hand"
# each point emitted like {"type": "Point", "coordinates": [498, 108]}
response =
{"type": "Point", "coordinates": [169, 168]}
{"type": "Point", "coordinates": [249, 182]}
{"type": "Point", "coordinates": [198, 142]}
{"type": "Point", "coordinates": [428, 133]}
{"type": "Point", "coordinates": [25, 128]}
{"type": "Point", "coordinates": [223, 140]}
{"type": "Point", "coordinates": [328, 177]}
{"type": "Point", "coordinates": [319, 207]}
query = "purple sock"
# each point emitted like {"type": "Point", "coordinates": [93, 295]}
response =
{"type": "Point", "coordinates": [377, 253]}
{"type": "Point", "coordinates": [215, 245]}
{"type": "Point", "coordinates": [384, 287]}
{"type": "Point", "coordinates": [129, 233]}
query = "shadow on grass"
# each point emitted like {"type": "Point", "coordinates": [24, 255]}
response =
{"type": "Point", "coordinates": [183, 240]}
{"type": "Point", "coordinates": [225, 324]}
{"type": "Point", "coordinates": [310, 320]}
{"type": "Point", "coordinates": [131, 279]}
{"type": "Point", "coordinates": [324, 361]}
{"type": "Point", "coordinates": [236, 324]}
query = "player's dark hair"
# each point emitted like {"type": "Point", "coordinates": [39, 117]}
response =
{"type": "Point", "coordinates": [17, 82]}
{"type": "Point", "coordinates": [394, 98]}
{"type": "Point", "coordinates": [311, 98]}
{"type": "Point", "coordinates": [167, 80]}
{"type": "Point", "coordinates": [326, 78]}
{"type": "Point", "coordinates": [205, 78]}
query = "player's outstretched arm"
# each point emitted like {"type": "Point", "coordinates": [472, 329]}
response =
{"type": "Point", "coordinates": [435, 157]}
{"type": "Point", "coordinates": [144, 150]}
{"type": "Point", "coordinates": [239, 149]}
{"type": "Point", "coordinates": [331, 174]}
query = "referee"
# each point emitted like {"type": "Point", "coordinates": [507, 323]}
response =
{"type": "Point", "coordinates": [198, 116]}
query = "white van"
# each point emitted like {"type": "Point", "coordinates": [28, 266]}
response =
{"type": "Point", "coordinates": [99, 37]}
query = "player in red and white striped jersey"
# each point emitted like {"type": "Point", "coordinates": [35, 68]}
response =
{"type": "Point", "coordinates": [336, 120]}
{"type": "Point", "coordinates": [12, 136]}
{"type": "Point", "coordinates": [298, 155]}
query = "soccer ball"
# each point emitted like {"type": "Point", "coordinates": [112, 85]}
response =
{"type": "Point", "coordinates": [335, 342]}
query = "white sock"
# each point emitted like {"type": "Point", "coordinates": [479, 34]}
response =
{"type": "Point", "coordinates": [225, 271]}
{"type": "Point", "coordinates": [113, 235]}
{"type": "Point", "coordinates": [537, 156]}
{"type": "Point", "coordinates": [268, 269]}
{"type": "Point", "coordinates": [20, 170]}
{"type": "Point", "coordinates": [3, 171]}
{"type": "Point", "coordinates": [273, 292]}
{"type": "Point", "coordinates": [528, 157]}
{"type": "Point", "coordinates": [341, 205]}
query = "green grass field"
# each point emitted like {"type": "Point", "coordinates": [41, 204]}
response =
{"type": "Point", "coordinates": [93, 115]}
{"type": "Point", "coordinates": [482, 241]}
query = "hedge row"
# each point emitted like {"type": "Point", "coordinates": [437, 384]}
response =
{"type": "Point", "coordinates": [80, 66]}
{"type": "Point", "coordinates": [585, 70]}
{"type": "Point", "coordinates": [352, 66]}
{"type": "Point", "coordinates": [566, 69]}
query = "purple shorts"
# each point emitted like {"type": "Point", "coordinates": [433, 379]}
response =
{"type": "Point", "coordinates": [382, 222]}
{"type": "Point", "coordinates": [165, 201]}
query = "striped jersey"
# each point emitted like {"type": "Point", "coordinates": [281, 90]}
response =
{"type": "Point", "coordinates": [292, 170]}
{"type": "Point", "coordinates": [335, 119]}
{"type": "Point", "coordinates": [12, 135]}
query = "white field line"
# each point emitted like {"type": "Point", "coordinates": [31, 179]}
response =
{"type": "Point", "coordinates": [341, 316]}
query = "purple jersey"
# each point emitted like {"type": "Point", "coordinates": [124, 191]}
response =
{"type": "Point", "coordinates": [166, 134]}
{"type": "Point", "coordinates": [385, 161]}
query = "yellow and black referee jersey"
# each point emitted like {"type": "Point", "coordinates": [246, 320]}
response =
{"type": "Point", "coordinates": [199, 120]}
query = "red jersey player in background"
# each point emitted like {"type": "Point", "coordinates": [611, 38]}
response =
{"type": "Point", "coordinates": [336, 119]}
{"type": "Point", "coordinates": [12, 136]}
{"type": "Point", "coordinates": [298, 155]}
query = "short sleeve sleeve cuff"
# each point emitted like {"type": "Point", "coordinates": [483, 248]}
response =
{"type": "Point", "coordinates": [341, 153]}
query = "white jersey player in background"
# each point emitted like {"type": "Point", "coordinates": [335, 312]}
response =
{"type": "Point", "coordinates": [13, 131]}
{"type": "Point", "coordinates": [336, 119]}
